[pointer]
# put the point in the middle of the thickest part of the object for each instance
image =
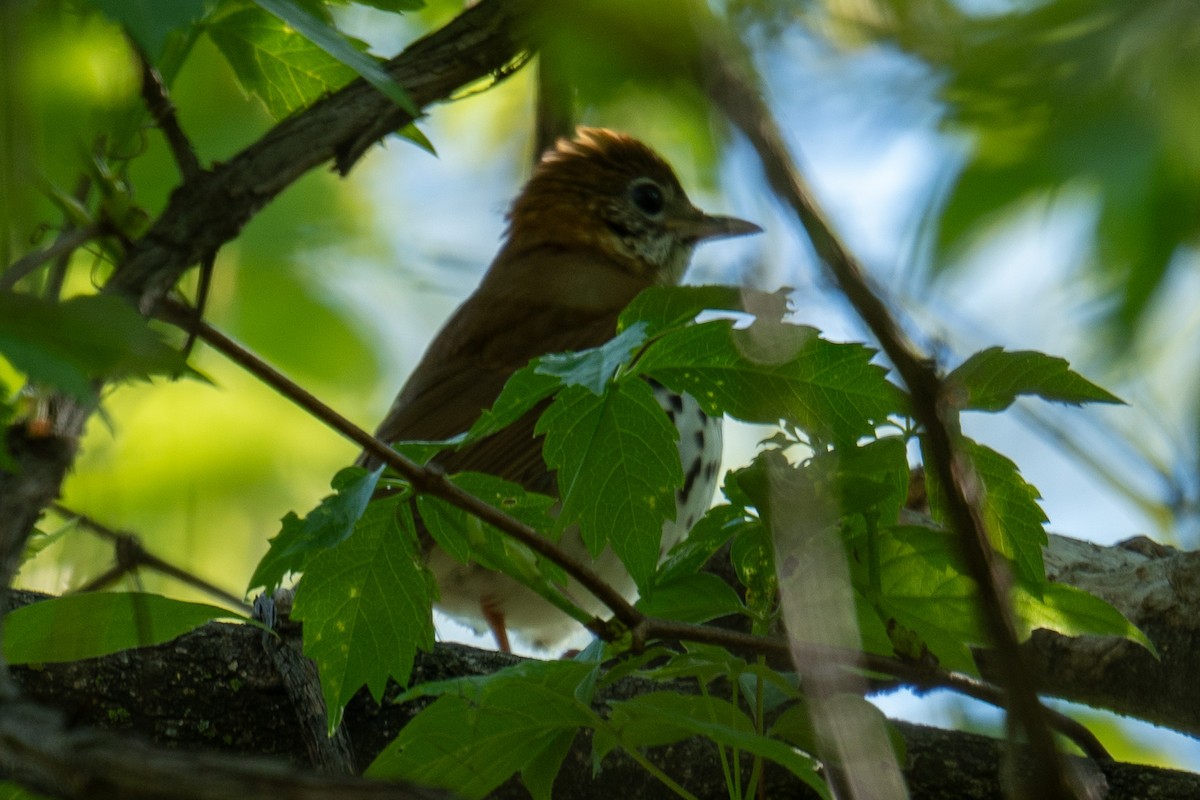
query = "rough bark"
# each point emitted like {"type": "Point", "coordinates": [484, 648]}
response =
{"type": "Point", "coordinates": [214, 692]}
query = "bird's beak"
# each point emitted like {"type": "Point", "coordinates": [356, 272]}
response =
{"type": "Point", "coordinates": [699, 226]}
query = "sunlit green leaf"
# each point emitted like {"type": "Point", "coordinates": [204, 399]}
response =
{"type": "Point", "coordinates": [276, 63]}
{"type": "Point", "coordinates": [1073, 612]}
{"type": "Point", "coordinates": [1015, 521]}
{"type": "Point", "coordinates": [467, 538]}
{"type": "Point", "coordinates": [91, 625]}
{"type": "Point", "coordinates": [593, 368]}
{"type": "Point", "coordinates": [333, 42]}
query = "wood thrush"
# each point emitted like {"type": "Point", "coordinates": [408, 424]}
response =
{"type": "Point", "coordinates": [601, 218]}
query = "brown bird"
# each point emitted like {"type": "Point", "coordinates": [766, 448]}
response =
{"type": "Point", "coordinates": [602, 218]}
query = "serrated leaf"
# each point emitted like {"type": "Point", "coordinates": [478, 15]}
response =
{"type": "Point", "coordinates": [95, 624]}
{"type": "Point", "coordinates": [660, 718]}
{"type": "Point", "coordinates": [991, 380]}
{"type": "Point", "coordinates": [1015, 521]}
{"type": "Point", "coordinates": [1071, 611]}
{"type": "Point", "coordinates": [692, 598]}
{"type": "Point", "coordinates": [471, 740]}
{"type": "Point", "coordinates": [338, 46]}
{"type": "Point", "coordinates": [595, 367]}
{"type": "Point", "coordinates": [274, 62]}
{"type": "Point", "coordinates": [69, 344]}
{"type": "Point", "coordinates": [773, 371]}
{"type": "Point", "coordinates": [466, 538]}
{"type": "Point", "coordinates": [924, 587]}
{"type": "Point", "coordinates": [366, 606]}
{"type": "Point", "coordinates": [618, 469]}
{"type": "Point", "coordinates": [525, 389]}
{"type": "Point", "coordinates": [327, 525]}
{"type": "Point", "coordinates": [663, 308]}
{"type": "Point", "coordinates": [150, 23]}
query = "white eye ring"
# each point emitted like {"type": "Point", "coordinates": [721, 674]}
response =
{"type": "Point", "coordinates": [648, 197]}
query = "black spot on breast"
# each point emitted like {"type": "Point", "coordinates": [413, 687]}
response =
{"type": "Point", "coordinates": [689, 480]}
{"type": "Point", "coordinates": [700, 438]}
{"type": "Point", "coordinates": [676, 402]}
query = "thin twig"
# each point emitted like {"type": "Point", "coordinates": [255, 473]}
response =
{"type": "Point", "coordinates": [432, 481]}
{"type": "Point", "coordinates": [917, 675]}
{"type": "Point", "coordinates": [64, 245]}
{"type": "Point", "coordinates": [423, 479]}
{"type": "Point", "coordinates": [131, 555]}
{"type": "Point", "coordinates": [162, 110]}
{"type": "Point", "coordinates": [738, 97]}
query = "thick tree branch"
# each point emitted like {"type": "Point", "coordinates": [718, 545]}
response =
{"type": "Point", "coordinates": [210, 690]}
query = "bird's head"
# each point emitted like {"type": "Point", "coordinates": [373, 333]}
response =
{"type": "Point", "coordinates": [608, 191]}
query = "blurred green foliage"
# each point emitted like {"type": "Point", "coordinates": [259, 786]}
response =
{"type": "Point", "coordinates": [1093, 96]}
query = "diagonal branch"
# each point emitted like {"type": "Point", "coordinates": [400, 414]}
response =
{"type": "Point", "coordinates": [209, 209]}
{"type": "Point", "coordinates": [735, 93]}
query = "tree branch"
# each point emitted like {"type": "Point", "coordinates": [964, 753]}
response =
{"type": "Point", "coordinates": [210, 690]}
{"type": "Point", "coordinates": [737, 95]}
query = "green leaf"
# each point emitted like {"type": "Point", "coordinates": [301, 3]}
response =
{"type": "Point", "coordinates": [924, 587]}
{"type": "Point", "coordinates": [69, 344]}
{"type": "Point", "coordinates": [14, 791]}
{"type": "Point", "coordinates": [150, 23]}
{"type": "Point", "coordinates": [327, 525]}
{"type": "Point", "coordinates": [96, 624]}
{"type": "Point", "coordinates": [525, 389]}
{"type": "Point", "coordinates": [1071, 611]}
{"type": "Point", "coordinates": [772, 371]}
{"type": "Point", "coordinates": [707, 536]}
{"type": "Point", "coordinates": [466, 538]}
{"type": "Point", "coordinates": [593, 368]}
{"type": "Point", "coordinates": [753, 557]}
{"type": "Point", "coordinates": [664, 308]}
{"type": "Point", "coordinates": [333, 42]}
{"type": "Point", "coordinates": [661, 718]}
{"type": "Point", "coordinates": [991, 379]}
{"type": "Point", "coordinates": [366, 606]}
{"type": "Point", "coordinates": [692, 598]}
{"type": "Point", "coordinates": [1015, 521]}
{"type": "Point", "coordinates": [480, 732]}
{"type": "Point", "coordinates": [618, 469]}
{"type": "Point", "coordinates": [393, 5]}
{"type": "Point", "coordinates": [274, 62]}
{"type": "Point", "coordinates": [539, 772]}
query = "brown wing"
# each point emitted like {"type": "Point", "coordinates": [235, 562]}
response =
{"type": "Point", "coordinates": [464, 370]}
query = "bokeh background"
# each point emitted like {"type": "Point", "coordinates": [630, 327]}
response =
{"type": "Point", "coordinates": [1063, 168]}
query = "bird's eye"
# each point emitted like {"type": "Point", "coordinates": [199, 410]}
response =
{"type": "Point", "coordinates": [647, 196]}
